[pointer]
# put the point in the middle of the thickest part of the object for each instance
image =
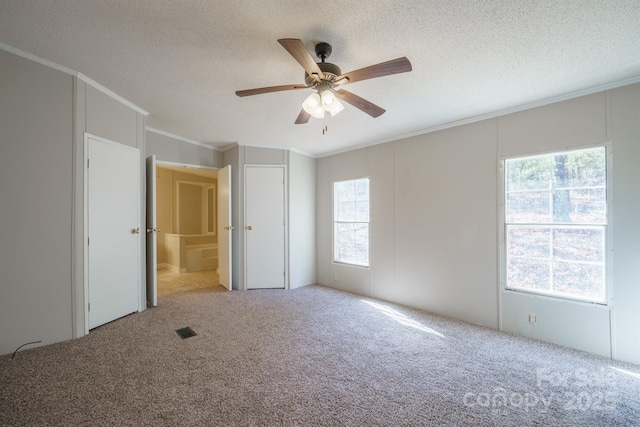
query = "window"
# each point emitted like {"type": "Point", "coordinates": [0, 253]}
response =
{"type": "Point", "coordinates": [351, 222]}
{"type": "Point", "coordinates": [555, 223]}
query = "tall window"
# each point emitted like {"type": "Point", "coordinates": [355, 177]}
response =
{"type": "Point", "coordinates": [555, 223]}
{"type": "Point", "coordinates": [351, 222]}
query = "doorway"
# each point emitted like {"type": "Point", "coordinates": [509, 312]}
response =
{"type": "Point", "coordinates": [183, 231]}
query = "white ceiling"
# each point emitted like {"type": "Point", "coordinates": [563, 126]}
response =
{"type": "Point", "coordinates": [183, 60]}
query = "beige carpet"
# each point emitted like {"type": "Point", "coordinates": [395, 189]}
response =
{"type": "Point", "coordinates": [309, 357]}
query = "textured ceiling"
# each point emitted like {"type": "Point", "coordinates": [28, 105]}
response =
{"type": "Point", "coordinates": [183, 60]}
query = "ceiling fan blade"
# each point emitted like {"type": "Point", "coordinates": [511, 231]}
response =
{"type": "Point", "coordinates": [303, 117]}
{"type": "Point", "coordinates": [297, 49]}
{"type": "Point", "coordinates": [269, 89]}
{"type": "Point", "coordinates": [395, 66]}
{"type": "Point", "coordinates": [368, 107]}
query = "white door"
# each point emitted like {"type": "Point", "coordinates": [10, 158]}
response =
{"type": "Point", "coordinates": [264, 227]}
{"type": "Point", "coordinates": [224, 226]}
{"type": "Point", "coordinates": [113, 221]}
{"type": "Point", "coordinates": [152, 236]}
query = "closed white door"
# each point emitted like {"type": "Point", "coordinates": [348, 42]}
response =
{"type": "Point", "coordinates": [113, 230]}
{"type": "Point", "coordinates": [152, 236]}
{"type": "Point", "coordinates": [224, 226]}
{"type": "Point", "coordinates": [264, 227]}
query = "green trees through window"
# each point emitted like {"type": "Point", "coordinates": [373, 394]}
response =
{"type": "Point", "coordinates": [351, 222]}
{"type": "Point", "coordinates": [555, 223]}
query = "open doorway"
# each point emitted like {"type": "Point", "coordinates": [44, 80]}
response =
{"type": "Point", "coordinates": [186, 235]}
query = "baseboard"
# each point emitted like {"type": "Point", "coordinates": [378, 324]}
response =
{"type": "Point", "coordinates": [191, 270]}
{"type": "Point", "coordinates": [175, 269]}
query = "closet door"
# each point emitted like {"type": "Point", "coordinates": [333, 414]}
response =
{"type": "Point", "coordinates": [265, 227]}
{"type": "Point", "coordinates": [113, 230]}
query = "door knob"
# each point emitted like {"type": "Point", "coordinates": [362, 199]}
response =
{"type": "Point", "coordinates": [229, 227]}
{"type": "Point", "coordinates": [135, 230]}
{"type": "Point", "coordinates": [249, 228]}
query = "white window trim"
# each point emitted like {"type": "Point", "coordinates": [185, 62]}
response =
{"type": "Point", "coordinates": [608, 232]}
{"type": "Point", "coordinates": [333, 225]}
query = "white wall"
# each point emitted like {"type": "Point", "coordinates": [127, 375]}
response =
{"type": "Point", "coordinates": [434, 213]}
{"type": "Point", "coordinates": [623, 128]}
{"type": "Point", "coordinates": [433, 226]}
{"type": "Point", "coordinates": [169, 149]}
{"type": "Point", "coordinates": [302, 224]}
{"type": "Point", "coordinates": [36, 145]}
{"type": "Point", "coordinates": [44, 113]}
{"type": "Point", "coordinates": [446, 222]}
{"type": "Point", "coordinates": [301, 234]}
{"type": "Point", "coordinates": [101, 114]}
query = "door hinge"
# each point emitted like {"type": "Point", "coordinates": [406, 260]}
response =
{"type": "Point", "coordinates": [87, 241]}
{"type": "Point", "coordinates": [89, 307]}
{"type": "Point", "coordinates": [87, 163]}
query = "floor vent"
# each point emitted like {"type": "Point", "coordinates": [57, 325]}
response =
{"type": "Point", "coordinates": [186, 333]}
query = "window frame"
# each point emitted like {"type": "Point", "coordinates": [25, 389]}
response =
{"type": "Point", "coordinates": [334, 221]}
{"type": "Point", "coordinates": [608, 228]}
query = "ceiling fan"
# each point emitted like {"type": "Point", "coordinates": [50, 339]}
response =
{"type": "Point", "coordinates": [327, 80]}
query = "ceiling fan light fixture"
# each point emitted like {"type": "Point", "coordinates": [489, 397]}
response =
{"type": "Point", "coordinates": [321, 102]}
{"type": "Point", "coordinates": [313, 105]}
{"type": "Point", "coordinates": [336, 108]}
{"type": "Point", "coordinates": [330, 103]}
{"type": "Point", "coordinates": [318, 113]}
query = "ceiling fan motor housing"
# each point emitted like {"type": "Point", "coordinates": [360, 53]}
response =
{"type": "Point", "coordinates": [330, 71]}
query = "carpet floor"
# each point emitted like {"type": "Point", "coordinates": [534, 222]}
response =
{"type": "Point", "coordinates": [313, 356]}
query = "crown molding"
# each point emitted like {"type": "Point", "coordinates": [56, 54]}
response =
{"type": "Point", "coordinates": [111, 94]}
{"type": "Point", "coordinates": [71, 72]}
{"type": "Point", "coordinates": [34, 58]}
{"type": "Point", "coordinates": [181, 138]}
{"type": "Point", "coordinates": [493, 115]}
{"type": "Point", "coordinates": [302, 153]}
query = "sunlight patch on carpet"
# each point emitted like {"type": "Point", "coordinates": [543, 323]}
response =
{"type": "Point", "coordinates": [624, 371]}
{"type": "Point", "coordinates": [401, 318]}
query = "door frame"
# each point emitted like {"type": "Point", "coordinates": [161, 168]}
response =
{"type": "Point", "coordinates": [285, 189]}
{"type": "Point", "coordinates": [151, 224]}
{"type": "Point", "coordinates": [186, 166]}
{"type": "Point", "coordinates": [86, 226]}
